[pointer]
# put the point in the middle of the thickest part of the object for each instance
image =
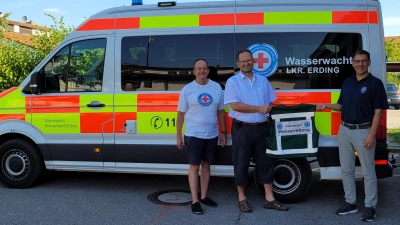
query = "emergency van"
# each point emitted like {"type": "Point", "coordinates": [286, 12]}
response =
{"type": "Point", "coordinates": [105, 99]}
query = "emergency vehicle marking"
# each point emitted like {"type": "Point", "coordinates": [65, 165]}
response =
{"type": "Point", "coordinates": [265, 59]}
{"type": "Point", "coordinates": [205, 99]}
{"type": "Point", "coordinates": [13, 105]}
{"type": "Point", "coordinates": [125, 109]}
{"type": "Point", "coordinates": [260, 18]}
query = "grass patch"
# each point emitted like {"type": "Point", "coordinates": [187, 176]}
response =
{"type": "Point", "coordinates": [394, 134]}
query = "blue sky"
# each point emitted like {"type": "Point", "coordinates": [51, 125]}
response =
{"type": "Point", "coordinates": [75, 11]}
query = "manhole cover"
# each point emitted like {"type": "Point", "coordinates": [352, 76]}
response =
{"type": "Point", "coordinates": [171, 197]}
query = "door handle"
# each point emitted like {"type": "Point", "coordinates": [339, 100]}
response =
{"type": "Point", "coordinates": [95, 104]}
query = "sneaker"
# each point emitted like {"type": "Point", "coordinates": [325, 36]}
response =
{"type": "Point", "coordinates": [244, 206]}
{"type": "Point", "coordinates": [196, 208]}
{"type": "Point", "coordinates": [208, 201]}
{"type": "Point", "coordinates": [369, 214]}
{"type": "Point", "coordinates": [347, 209]}
{"type": "Point", "coordinates": [275, 204]}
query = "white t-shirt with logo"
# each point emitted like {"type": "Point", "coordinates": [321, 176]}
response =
{"type": "Point", "coordinates": [200, 104]}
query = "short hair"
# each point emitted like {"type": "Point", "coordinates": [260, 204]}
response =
{"type": "Point", "coordinates": [199, 60]}
{"type": "Point", "coordinates": [361, 52]}
{"type": "Point", "coordinates": [243, 51]}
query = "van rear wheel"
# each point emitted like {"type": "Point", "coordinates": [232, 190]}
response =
{"type": "Point", "coordinates": [21, 165]}
{"type": "Point", "coordinates": [292, 179]}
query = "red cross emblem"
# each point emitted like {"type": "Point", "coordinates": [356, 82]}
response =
{"type": "Point", "coordinates": [205, 99]}
{"type": "Point", "coordinates": [260, 60]}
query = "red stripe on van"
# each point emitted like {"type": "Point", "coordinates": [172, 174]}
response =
{"type": "Point", "coordinates": [127, 23]}
{"type": "Point", "coordinates": [120, 120]}
{"type": "Point", "coordinates": [98, 24]}
{"type": "Point", "coordinates": [157, 102]}
{"type": "Point", "coordinates": [8, 91]}
{"type": "Point", "coordinates": [381, 162]}
{"type": "Point", "coordinates": [93, 122]}
{"type": "Point", "coordinates": [250, 19]}
{"type": "Point", "coordinates": [336, 119]}
{"type": "Point", "coordinates": [373, 17]}
{"type": "Point", "coordinates": [343, 17]}
{"type": "Point", "coordinates": [55, 104]}
{"type": "Point", "coordinates": [12, 117]}
{"type": "Point", "coordinates": [295, 98]}
{"type": "Point", "coordinates": [216, 20]}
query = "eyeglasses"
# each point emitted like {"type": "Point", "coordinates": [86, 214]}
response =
{"type": "Point", "coordinates": [358, 62]}
{"type": "Point", "coordinates": [246, 61]}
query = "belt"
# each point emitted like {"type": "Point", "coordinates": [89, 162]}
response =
{"type": "Point", "coordinates": [251, 124]}
{"type": "Point", "coordinates": [357, 126]}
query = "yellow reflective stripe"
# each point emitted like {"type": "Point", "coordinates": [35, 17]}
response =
{"type": "Point", "coordinates": [323, 122]}
{"type": "Point", "coordinates": [156, 122]}
{"type": "Point", "coordinates": [28, 117]}
{"type": "Point", "coordinates": [57, 123]}
{"type": "Point", "coordinates": [106, 99]}
{"type": "Point", "coordinates": [169, 21]}
{"type": "Point", "coordinates": [125, 102]}
{"type": "Point", "coordinates": [227, 108]}
{"type": "Point", "coordinates": [335, 97]}
{"type": "Point", "coordinates": [13, 103]}
{"type": "Point", "coordinates": [317, 17]}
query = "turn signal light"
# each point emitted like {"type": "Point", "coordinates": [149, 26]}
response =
{"type": "Point", "coordinates": [96, 150]}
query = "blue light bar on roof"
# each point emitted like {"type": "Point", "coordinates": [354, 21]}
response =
{"type": "Point", "coordinates": [137, 2]}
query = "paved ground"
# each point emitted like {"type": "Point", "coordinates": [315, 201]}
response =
{"type": "Point", "coordinates": [393, 118]}
{"type": "Point", "coordinates": [393, 121]}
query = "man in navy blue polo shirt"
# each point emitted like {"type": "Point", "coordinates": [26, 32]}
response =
{"type": "Point", "coordinates": [362, 100]}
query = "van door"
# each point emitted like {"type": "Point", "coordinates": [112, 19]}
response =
{"type": "Point", "coordinates": [153, 66]}
{"type": "Point", "coordinates": [74, 111]}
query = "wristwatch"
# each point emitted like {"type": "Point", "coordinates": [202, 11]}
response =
{"type": "Point", "coordinates": [224, 132]}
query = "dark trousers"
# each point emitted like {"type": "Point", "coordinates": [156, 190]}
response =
{"type": "Point", "coordinates": [247, 141]}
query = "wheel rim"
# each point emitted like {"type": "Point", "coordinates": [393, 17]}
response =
{"type": "Point", "coordinates": [16, 164]}
{"type": "Point", "coordinates": [287, 176]}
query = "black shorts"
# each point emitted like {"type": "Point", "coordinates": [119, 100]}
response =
{"type": "Point", "coordinates": [200, 149]}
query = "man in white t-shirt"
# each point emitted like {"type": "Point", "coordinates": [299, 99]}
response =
{"type": "Point", "coordinates": [201, 105]}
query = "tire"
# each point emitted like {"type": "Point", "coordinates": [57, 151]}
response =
{"type": "Point", "coordinates": [396, 106]}
{"type": "Point", "coordinates": [21, 165]}
{"type": "Point", "coordinates": [292, 179]}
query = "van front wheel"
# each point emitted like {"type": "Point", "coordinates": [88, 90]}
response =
{"type": "Point", "coordinates": [21, 164]}
{"type": "Point", "coordinates": [292, 179]}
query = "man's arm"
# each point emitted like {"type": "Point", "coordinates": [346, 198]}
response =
{"type": "Point", "coordinates": [179, 124]}
{"type": "Point", "coordinates": [370, 139]}
{"type": "Point", "coordinates": [222, 122]}
{"type": "Point", "coordinates": [244, 108]}
{"type": "Point", "coordinates": [336, 107]}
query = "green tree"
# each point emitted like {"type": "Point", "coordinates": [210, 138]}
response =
{"type": "Point", "coordinates": [18, 60]}
{"type": "Point", "coordinates": [392, 47]}
{"type": "Point", "coordinates": [4, 23]}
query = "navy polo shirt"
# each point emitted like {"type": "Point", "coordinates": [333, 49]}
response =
{"type": "Point", "coordinates": [360, 98]}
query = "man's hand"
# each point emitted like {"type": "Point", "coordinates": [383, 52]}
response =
{"type": "Point", "coordinates": [369, 141]}
{"type": "Point", "coordinates": [222, 139]}
{"type": "Point", "coordinates": [264, 109]}
{"type": "Point", "coordinates": [320, 106]}
{"type": "Point", "coordinates": [179, 142]}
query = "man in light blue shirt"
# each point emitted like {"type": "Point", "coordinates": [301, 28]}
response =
{"type": "Point", "coordinates": [250, 97]}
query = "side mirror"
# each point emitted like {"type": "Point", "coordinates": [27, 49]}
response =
{"type": "Point", "coordinates": [36, 84]}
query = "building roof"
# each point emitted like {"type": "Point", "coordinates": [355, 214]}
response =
{"type": "Point", "coordinates": [397, 38]}
{"type": "Point", "coordinates": [20, 38]}
{"type": "Point", "coordinates": [30, 25]}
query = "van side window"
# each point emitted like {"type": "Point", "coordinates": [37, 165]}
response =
{"type": "Point", "coordinates": [159, 63]}
{"type": "Point", "coordinates": [306, 60]}
{"type": "Point", "coordinates": [78, 67]}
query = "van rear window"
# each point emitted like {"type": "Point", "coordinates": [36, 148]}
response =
{"type": "Point", "coordinates": [308, 60]}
